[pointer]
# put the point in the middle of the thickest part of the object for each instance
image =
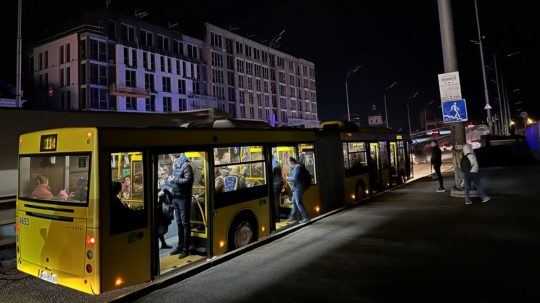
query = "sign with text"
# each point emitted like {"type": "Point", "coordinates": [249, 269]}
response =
{"type": "Point", "coordinates": [454, 111]}
{"type": "Point", "coordinates": [450, 86]}
{"type": "Point", "coordinates": [376, 120]}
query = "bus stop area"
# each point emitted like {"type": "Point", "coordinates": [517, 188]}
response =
{"type": "Point", "coordinates": [410, 244]}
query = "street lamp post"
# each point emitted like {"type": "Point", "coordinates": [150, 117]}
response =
{"type": "Point", "coordinates": [446, 23]}
{"type": "Point", "coordinates": [481, 47]}
{"type": "Point", "coordinates": [349, 74]}
{"type": "Point", "coordinates": [386, 89]}
{"type": "Point", "coordinates": [414, 96]}
{"type": "Point", "coordinates": [18, 83]}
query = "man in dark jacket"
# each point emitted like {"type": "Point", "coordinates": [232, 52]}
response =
{"type": "Point", "coordinates": [181, 183]}
{"type": "Point", "coordinates": [436, 161]}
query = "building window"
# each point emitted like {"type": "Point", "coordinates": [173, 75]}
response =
{"type": "Point", "coordinates": [131, 78]}
{"type": "Point", "coordinates": [178, 67]}
{"type": "Point", "coordinates": [131, 103]}
{"type": "Point", "coordinates": [68, 76]}
{"type": "Point", "coordinates": [126, 55]}
{"type": "Point", "coordinates": [149, 82]}
{"type": "Point", "coordinates": [61, 53]}
{"type": "Point", "coordinates": [167, 104]}
{"type": "Point", "coordinates": [232, 94]}
{"type": "Point", "coordinates": [40, 61]}
{"type": "Point", "coordinates": [162, 63]}
{"type": "Point", "coordinates": [181, 86]}
{"type": "Point", "coordinates": [46, 59]}
{"type": "Point", "coordinates": [166, 82]}
{"type": "Point", "coordinates": [134, 58]}
{"type": "Point", "coordinates": [150, 104]}
{"type": "Point", "coordinates": [146, 39]}
{"type": "Point", "coordinates": [184, 71]}
{"type": "Point", "coordinates": [182, 104]}
{"type": "Point", "coordinates": [169, 66]}
{"type": "Point", "coordinates": [152, 62]}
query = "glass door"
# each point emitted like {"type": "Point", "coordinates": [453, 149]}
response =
{"type": "Point", "coordinates": [181, 208]}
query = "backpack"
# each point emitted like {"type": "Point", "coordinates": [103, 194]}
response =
{"type": "Point", "coordinates": [305, 177]}
{"type": "Point", "coordinates": [465, 164]}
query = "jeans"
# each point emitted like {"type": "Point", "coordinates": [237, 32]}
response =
{"type": "Point", "coordinates": [298, 205]}
{"type": "Point", "coordinates": [183, 216]}
{"type": "Point", "coordinates": [437, 168]}
{"type": "Point", "coordinates": [470, 179]}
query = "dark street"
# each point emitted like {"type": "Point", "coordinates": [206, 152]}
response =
{"type": "Point", "coordinates": [411, 244]}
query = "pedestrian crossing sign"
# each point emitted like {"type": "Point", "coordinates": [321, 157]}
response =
{"type": "Point", "coordinates": [454, 111]}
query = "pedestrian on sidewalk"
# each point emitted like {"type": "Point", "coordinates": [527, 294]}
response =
{"type": "Point", "coordinates": [436, 162]}
{"type": "Point", "coordinates": [471, 169]}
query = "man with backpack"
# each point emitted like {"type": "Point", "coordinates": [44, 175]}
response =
{"type": "Point", "coordinates": [470, 168]}
{"type": "Point", "coordinates": [301, 180]}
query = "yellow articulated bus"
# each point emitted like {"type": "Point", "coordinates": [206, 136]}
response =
{"type": "Point", "coordinates": [96, 210]}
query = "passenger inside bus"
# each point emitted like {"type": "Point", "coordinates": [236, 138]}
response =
{"type": "Point", "coordinates": [126, 187]}
{"type": "Point", "coordinates": [42, 190]}
{"type": "Point", "coordinates": [121, 213]}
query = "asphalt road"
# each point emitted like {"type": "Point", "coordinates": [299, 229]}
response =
{"type": "Point", "coordinates": [410, 245]}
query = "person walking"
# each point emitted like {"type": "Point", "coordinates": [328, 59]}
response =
{"type": "Point", "coordinates": [436, 162]}
{"type": "Point", "coordinates": [298, 188]}
{"type": "Point", "coordinates": [181, 182]}
{"type": "Point", "coordinates": [471, 169]}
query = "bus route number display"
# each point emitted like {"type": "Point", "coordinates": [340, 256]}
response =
{"type": "Point", "coordinates": [48, 143]}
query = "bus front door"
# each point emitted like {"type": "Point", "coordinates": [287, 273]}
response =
{"type": "Point", "coordinates": [181, 177]}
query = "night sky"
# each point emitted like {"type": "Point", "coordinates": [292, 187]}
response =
{"type": "Point", "coordinates": [394, 40]}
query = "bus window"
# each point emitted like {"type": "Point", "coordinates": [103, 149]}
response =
{"type": "Point", "coordinates": [307, 158]}
{"type": "Point", "coordinates": [54, 178]}
{"type": "Point", "coordinates": [346, 163]}
{"type": "Point", "coordinates": [357, 158]}
{"type": "Point", "coordinates": [393, 158]}
{"type": "Point", "coordinates": [127, 192]}
{"type": "Point", "coordinates": [238, 168]}
{"type": "Point", "coordinates": [383, 154]}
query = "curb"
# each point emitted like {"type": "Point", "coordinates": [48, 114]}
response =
{"type": "Point", "coordinates": [182, 275]}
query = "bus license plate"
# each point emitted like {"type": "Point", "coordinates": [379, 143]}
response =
{"type": "Point", "coordinates": [47, 276]}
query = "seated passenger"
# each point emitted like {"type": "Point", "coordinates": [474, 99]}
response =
{"type": "Point", "coordinates": [220, 181]}
{"type": "Point", "coordinates": [42, 190]}
{"type": "Point", "coordinates": [126, 188]}
{"type": "Point", "coordinates": [237, 171]}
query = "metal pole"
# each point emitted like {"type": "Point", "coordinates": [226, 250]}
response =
{"type": "Point", "coordinates": [481, 46]}
{"type": "Point", "coordinates": [386, 111]}
{"type": "Point", "coordinates": [506, 105]}
{"type": "Point", "coordinates": [18, 83]}
{"type": "Point", "coordinates": [409, 117]}
{"type": "Point", "coordinates": [347, 96]}
{"type": "Point", "coordinates": [502, 111]}
{"type": "Point", "coordinates": [451, 65]}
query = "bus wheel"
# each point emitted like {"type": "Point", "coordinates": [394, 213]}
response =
{"type": "Point", "coordinates": [360, 192]}
{"type": "Point", "coordinates": [243, 232]}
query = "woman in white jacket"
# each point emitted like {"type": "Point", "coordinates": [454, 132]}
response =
{"type": "Point", "coordinates": [472, 176]}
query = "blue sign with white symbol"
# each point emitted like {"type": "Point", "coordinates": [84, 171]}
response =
{"type": "Point", "coordinates": [454, 111]}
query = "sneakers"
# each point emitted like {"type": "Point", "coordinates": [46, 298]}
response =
{"type": "Point", "coordinates": [468, 202]}
{"type": "Point", "coordinates": [165, 246]}
{"type": "Point", "coordinates": [486, 199]}
{"type": "Point", "coordinates": [441, 190]}
{"type": "Point", "coordinates": [304, 221]}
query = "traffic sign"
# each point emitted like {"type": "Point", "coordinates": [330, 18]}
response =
{"type": "Point", "coordinates": [450, 86]}
{"type": "Point", "coordinates": [454, 111]}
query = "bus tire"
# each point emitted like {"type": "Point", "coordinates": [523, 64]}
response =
{"type": "Point", "coordinates": [243, 230]}
{"type": "Point", "coordinates": [360, 192]}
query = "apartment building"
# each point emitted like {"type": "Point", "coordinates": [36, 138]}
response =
{"type": "Point", "coordinates": [251, 80]}
{"type": "Point", "coordinates": [121, 64]}
{"type": "Point", "coordinates": [115, 63]}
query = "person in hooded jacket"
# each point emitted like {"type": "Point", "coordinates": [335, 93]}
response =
{"type": "Point", "coordinates": [472, 176]}
{"type": "Point", "coordinates": [181, 183]}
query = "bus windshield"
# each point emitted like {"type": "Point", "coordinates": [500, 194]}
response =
{"type": "Point", "coordinates": [54, 178]}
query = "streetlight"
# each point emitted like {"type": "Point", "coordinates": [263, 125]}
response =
{"type": "Point", "coordinates": [386, 89]}
{"type": "Point", "coordinates": [411, 98]}
{"type": "Point", "coordinates": [349, 74]}
{"type": "Point", "coordinates": [481, 47]}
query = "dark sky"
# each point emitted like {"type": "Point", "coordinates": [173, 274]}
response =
{"type": "Point", "coordinates": [395, 40]}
